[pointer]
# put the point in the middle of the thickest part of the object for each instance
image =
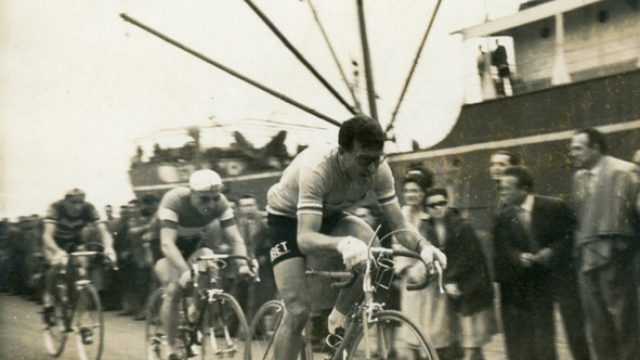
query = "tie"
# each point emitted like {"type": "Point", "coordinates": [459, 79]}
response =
{"type": "Point", "coordinates": [525, 219]}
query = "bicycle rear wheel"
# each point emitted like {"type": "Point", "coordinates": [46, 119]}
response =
{"type": "Point", "coordinates": [224, 329]}
{"type": "Point", "coordinates": [55, 337]}
{"type": "Point", "coordinates": [383, 342]}
{"type": "Point", "coordinates": [263, 327]}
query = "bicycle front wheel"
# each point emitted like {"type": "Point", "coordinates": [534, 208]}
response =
{"type": "Point", "coordinates": [89, 324]}
{"type": "Point", "coordinates": [224, 329]}
{"type": "Point", "coordinates": [55, 335]}
{"type": "Point", "coordinates": [263, 328]}
{"type": "Point", "coordinates": [391, 335]}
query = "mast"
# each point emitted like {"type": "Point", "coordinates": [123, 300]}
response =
{"type": "Point", "coordinates": [371, 92]}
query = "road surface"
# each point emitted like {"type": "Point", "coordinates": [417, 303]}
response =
{"type": "Point", "coordinates": [21, 335]}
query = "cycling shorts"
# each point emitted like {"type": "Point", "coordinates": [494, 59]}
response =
{"type": "Point", "coordinates": [283, 235]}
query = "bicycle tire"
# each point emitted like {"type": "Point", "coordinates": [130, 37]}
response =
{"type": "Point", "coordinates": [421, 345]}
{"type": "Point", "coordinates": [55, 337]}
{"type": "Point", "coordinates": [93, 311]}
{"type": "Point", "coordinates": [263, 327]}
{"type": "Point", "coordinates": [224, 329]}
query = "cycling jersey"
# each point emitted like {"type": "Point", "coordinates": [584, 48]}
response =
{"type": "Point", "coordinates": [68, 228]}
{"type": "Point", "coordinates": [315, 183]}
{"type": "Point", "coordinates": [176, 212]}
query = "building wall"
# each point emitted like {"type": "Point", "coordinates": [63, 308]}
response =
{"type": "Point", "coordinates": [592, 48]}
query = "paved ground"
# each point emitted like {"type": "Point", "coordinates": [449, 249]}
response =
{"type": "Point", "coordinates": [21, 335]}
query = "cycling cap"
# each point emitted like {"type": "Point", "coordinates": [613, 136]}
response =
{"type": "Point", "coordinates": [204, 180]}
{"type": "Point", "coordinates": [75, 192]}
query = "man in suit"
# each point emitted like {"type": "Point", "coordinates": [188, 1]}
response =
{"type": "Point", "coordinates": [533, 241]}
{"type": "Point", "coordinates": [605, 192]}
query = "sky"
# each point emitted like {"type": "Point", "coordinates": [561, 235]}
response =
{"type": "Point", "coordinates": [79, 86]}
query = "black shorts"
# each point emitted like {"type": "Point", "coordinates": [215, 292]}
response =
{"type": "Point", "coordinates": [189, 244]}
{"type": "Point", "coordinates": [283, 235]}
{"type": "Point", "coordinates": [68, 244]}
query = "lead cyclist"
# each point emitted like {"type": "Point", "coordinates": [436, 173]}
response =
{"type": "Point", "coordinates": [306, 215]}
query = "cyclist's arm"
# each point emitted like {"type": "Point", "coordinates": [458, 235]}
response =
{"type": "Point", "coordinates": [310, 240]}
{"type": "Point", "coordinates": [232, 234]}
{"type": "Point", "coordinates": [107, 239]}
{"type": "Point", "coordinates": [397, 221]}
{"type": "Point", "coordinates": [47, 237]}
{"type": "Point", "coordinates": [168, 237]}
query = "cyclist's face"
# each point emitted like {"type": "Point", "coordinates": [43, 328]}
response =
{"type": "Point", "coordinates": [73, 206]}
{"type": "Point", "coordinates": [205, 201]}
{"type": "Point", "coordinates": [361, 163]}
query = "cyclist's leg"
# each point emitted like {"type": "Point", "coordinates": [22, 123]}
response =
{"type": "Point", "coordinates": [358, 228]}
{"type": "Point", "coordinates": [169, 313]}
{"type": "Point", "coordinates": [292, 286]}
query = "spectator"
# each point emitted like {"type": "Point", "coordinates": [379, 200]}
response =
{"type": "Point", "coordinates": [605, 191]}
{"type": "Point", "coordinates": [464, 316]}
{"type": "Point", "coordinates": [108, 210]}
{"type": "Point", "coordinates": [252, 225]}
{"type": "Point", "coordinates": [139, 237]}
{"type": "Point", "coordinates": [500, 60]}
{"type": "Point", "coordinates": [533, 239]}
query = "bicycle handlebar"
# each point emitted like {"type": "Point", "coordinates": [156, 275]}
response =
{"type": "Point", "coordinates": [349, 277]}
{"type": "Point", "coordinates": [253, 264]}
{"type": "Point", "coordinates": [88, 253]}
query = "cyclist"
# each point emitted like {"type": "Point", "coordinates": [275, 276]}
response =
{"type": "Point", "coordinates": [63, 227]}
{"type": "Point", "coordinates": [306, 216]}
{"type": "Point", "coordinates": [184, 215]}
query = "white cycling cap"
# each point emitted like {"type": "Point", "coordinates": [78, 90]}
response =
{"type": "Point", "coordinates": [204, 180]}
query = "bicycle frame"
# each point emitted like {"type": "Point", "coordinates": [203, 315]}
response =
{"type": "Point", "coordinates": [365, 313]}
{"type": "Point", "coordinates": [207, 296]}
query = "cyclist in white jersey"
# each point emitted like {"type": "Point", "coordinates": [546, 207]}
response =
{"type": "Point", "coordinates": [184, 214]}
{"type": "Point", "coordinates": [306, 216]}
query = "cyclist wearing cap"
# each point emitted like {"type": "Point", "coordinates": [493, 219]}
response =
{"type": "Point", "coordinates": [184, 213]}
{"type": "Point", "coordinates": [306, 216]}
{"type": "Point", "coordinates": [63, 225]}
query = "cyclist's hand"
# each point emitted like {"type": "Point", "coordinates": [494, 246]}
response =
{"type": "Point", "coordinates": [147, 237]}
{"type": "Point", "coordinates": [245, 272]}
{"type": "Point", "coordinates": [185, 277]}
{"type": "Point", "coordinates": [353, 251]}
{"type": "Point", "coordinates": [59, 258]}
{"type": "Point", "coordinates": [429, 254]}
{"type": "Point", "coordinates": [110, 253]}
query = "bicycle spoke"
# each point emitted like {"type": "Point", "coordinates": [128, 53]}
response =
{"type": "Point", "coordinates": [224, 329]}
{"type": "Point", "coordinates": [391, 335]}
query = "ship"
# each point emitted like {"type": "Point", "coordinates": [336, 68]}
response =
{"type": "Point", "coordinates": [577, 65]}
{"type": "Point", "coordinates": [573, 64]}
{"type": "Point", "coordinates": [165, 158]}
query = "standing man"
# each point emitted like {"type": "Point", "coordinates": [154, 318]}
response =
{"type": "Point", "coordinates": [605, 191]}
{"type": "Point", "coordinates": [253, 227]}
{"type": "Point", "coordinates": [306, 216]}
{"type": "Point", "coordinates": [528, 232]}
